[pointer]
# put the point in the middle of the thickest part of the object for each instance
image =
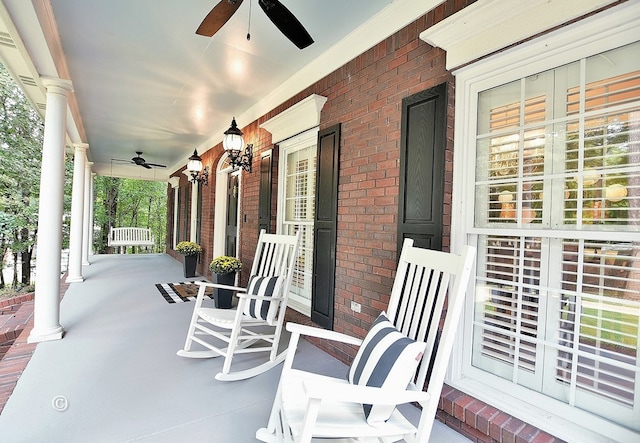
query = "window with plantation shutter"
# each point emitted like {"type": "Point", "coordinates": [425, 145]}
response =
{"type": "Point", "coordinates": [557, 225]}
{"type": "Point", "coordinates": [297, 170]}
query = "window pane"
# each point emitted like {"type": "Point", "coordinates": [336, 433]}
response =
{"type": "Point", "coordinates": [599, 321]}
{"type": "Point", "coordinates": [507, 307]}
{"type": "Point", "coordinates": [299, 206]}
{"type": "Point", "coordinates": [558, 294]}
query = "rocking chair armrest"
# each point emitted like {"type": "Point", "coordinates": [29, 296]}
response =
{"type": "Point", "coordinates": [218, 285]}
{"type": "Point", "coordinates": [258, 297]}
{"type": "Point", "coordinates": [362, 394]}
{"type": "Point", "coordinates": [322, 333]}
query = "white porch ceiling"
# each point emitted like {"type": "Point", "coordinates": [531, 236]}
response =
{"type": "Point", "coordinates": [144, 81]}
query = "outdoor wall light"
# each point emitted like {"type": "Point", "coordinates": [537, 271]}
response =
{"type": "Point", "coordinates": [233, 144]}
{"type": "Point", "coordinates": [194, 166]}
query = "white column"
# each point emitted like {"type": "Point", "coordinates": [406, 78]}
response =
{"type": "Point", "coordinates": [77, 214]}
{"type": "Point", "coordinates": [175, 182]}
{"type": "Point", "coordinates": [87, 216]}
{"type": "Point", "coordinates": [194, 212]}
{"type": "Point", "coordinates": [46, 311]}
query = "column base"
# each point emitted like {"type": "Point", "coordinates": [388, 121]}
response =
{"type": "Point", "coordinates": [40, 336]}
{"type": "Point", "coordinates": [71, 279]}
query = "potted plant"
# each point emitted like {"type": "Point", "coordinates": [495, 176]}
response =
{"type": "Point", "coordinates": [223, 271]}
{"type": "Point", "coordinates": [191, 251]}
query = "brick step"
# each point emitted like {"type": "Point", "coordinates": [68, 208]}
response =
{"type": "Point", "coordinates": [17, 355]}
{"type": "Point", "coordinates": [11, 325]}
{"type": "Point", "coordinates": [5, 344]}
{"type": "Point", "coordinates": [17, 300]}
{"type": "Point", "coordinates": [4, 317]}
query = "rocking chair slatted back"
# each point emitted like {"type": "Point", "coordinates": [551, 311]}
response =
{"type": "Point", "coordinates": [273, 257]}
{"type": "Point", "coordinates": [417, 301]}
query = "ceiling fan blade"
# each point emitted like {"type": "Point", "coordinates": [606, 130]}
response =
{"type": "Point", "coordinates": [156, 165]}
{"type": "Point", "coordinates": [217, 17]}
{"type": "Point", "coordinates": [145, 165]}
{"type": "Point", "coordinates": [286, 22]}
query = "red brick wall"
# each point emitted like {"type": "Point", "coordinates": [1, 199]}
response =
{"type": "Point", "coordinates": [365, 97]}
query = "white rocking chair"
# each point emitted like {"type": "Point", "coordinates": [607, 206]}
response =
{"type": "Point", "coordinates": [259, 315]}
{"type": "Point", "coordinates": [389, 368]}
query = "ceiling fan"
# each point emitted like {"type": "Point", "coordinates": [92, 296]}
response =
{"type": "Point", "coordinates": [284, 20]}
{"type": "Point", "coordinates": [140, 161]}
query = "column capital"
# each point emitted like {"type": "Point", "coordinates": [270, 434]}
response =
{"type": "Point", "coordinates": [58, 85]}
{"type": "Point", "coordinates": [174, 181]}
{"type": "Point", "coordinates": [81, 146]}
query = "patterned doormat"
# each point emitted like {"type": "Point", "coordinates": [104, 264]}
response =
{"type": "Point", "coordinates": [181, 291]}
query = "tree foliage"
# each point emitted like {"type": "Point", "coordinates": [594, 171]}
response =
{"type": "Point", "coordinates": [121, 202]}
{"type": "Point", "coordinates": [21, 136]}
{"type": "Point", "coordinates": [118, 202]}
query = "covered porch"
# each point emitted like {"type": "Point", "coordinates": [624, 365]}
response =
{"type": "Point", "coordinates": [115, 377]}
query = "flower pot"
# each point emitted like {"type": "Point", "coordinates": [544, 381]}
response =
{"type": "Point", "coordinates": [189, 263]}
{"type": "Point", "coordinates": [223, 298]}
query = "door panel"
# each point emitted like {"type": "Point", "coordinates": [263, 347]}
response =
{"type": "Point", "coordinates": [231, 231]}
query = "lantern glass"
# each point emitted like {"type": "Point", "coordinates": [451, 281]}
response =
{"type": "Point", "coordinates": [194, 166]}
{"type": "Point", "coordinates": [233, 142]}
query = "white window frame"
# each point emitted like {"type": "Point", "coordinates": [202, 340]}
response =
{"type": "Point", "coordinates": [298, 127]}
{"type": "Point", "coordinates": [302, 141]}
{"type": "Point", "coordinates": [223, 172]}
{"type": "Point", "coordinates": [608, 30]}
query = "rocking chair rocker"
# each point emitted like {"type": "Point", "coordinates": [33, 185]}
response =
{"type": "Point", "coordinates": [259, 316]}
{"type": "Point", "coordinates": [391, 366]}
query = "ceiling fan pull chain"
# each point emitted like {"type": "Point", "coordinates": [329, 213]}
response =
{"type": "Point", "coordinates": [249, 28]}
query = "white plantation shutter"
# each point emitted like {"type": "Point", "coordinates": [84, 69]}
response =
{"type": "Point", "coordinates": [297, 171]}
{"type": "Point", "coordinates": [509, 319]}
{"type": "Point", "coordinates": [598, 326]}
{"type": "Point", "coordinates": [557, 224]}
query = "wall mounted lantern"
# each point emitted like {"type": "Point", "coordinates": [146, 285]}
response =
{"type": "Point", "coordinates": [233, 144]}
{"type": "Point", "coordinates": [194, 166]}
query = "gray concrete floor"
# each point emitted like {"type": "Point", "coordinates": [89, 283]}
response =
{"type": "Point", "coordinates": [115, 376]}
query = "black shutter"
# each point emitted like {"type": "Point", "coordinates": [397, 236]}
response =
{"type": "Point", "coordinates": [264, 200]}
{"type": "Point", "coordinates": [422, 168]}
{"type": "Point", "coordinates": [325, 227]}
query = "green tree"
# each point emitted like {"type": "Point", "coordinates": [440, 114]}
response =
{"type": "Point", "coordinates": [21, 136]}
{"type": "Point", "coordinates": [129, 203]}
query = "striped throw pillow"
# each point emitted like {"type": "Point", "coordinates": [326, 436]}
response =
{"type": "Point", "coordinates": [266, 287]}
{"type": "Point", "coordinates": [386, 359]}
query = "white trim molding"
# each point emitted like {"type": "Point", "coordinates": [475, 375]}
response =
{"type": "Point", "coordinates": [174, 182]}
{"type": "Point", "coordinates": [298, 118]}
{"type": "Point", "coordinates": [488, 26]}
